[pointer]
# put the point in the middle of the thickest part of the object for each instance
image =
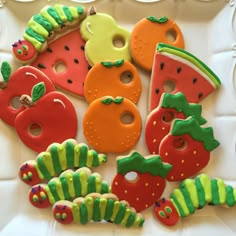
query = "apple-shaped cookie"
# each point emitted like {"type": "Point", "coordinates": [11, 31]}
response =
{"type": "Point", "coordinates": [14, 85]}
{"type": "Point", "coordinates": [47, 119]}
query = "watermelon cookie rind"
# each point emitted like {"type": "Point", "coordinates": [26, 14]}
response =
{"type": "Point", "coordinates": [136, 162]}
{"type": "Point", "coordinates": [180, 53]}
{"type": "Point", "coordinates": [179, 102]}
{"type": "Point", "coordinates": [191, 126]}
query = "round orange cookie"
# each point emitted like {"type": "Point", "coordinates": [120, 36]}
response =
{"type": "Point", "coordinates": [112, 124]}
{"type": "Point", "coordinates": [150, 31]}
{"type": "Point", "coordinates": [119, 78]}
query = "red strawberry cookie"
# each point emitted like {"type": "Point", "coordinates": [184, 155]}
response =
{"type": "Point", "coordinates": [147, 33]}
{"type": "Point", "coordinates": [48, 118]}
{"type": "Point", "coordinates": [176, 70]}
{"type": "Point", "coordinates": [159, 120]}
{"type": "Point", "coordinates": [118, 78]}
{"type": "Point", "coordinates": [142, 190]}
{"type": "Point", "coordinates": [14, 85]}
{"type": "Point", "coordinates": [112, 124]}
{"type": "Point", "coordinates": [187, 148]}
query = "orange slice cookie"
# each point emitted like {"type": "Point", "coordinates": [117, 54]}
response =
{"type": "Point", "coordinates": [150, 31]}
{"type": "Point", "coordinates": [119, 78]}
{"type": "Point", "coordinates": [112, 124]}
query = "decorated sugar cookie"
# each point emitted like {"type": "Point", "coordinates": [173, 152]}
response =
{"type": "Point", "coordinates": [57, 158]}
{"type": "Point", "coordinates": [14, 85]}
{"type": "Point", "coordinates": [96, 207]}
{"type": "Point", "coordinates": [141, 192]}
{"type": "Point", "coordinates": [112, 124]}
{"type": "Point", "coordinates": [119, 78]}
{"type": "Point", "coordinates": [101, 32]}
{"type": "Point", "coordinates": [67, 186]}
{"type": "Point", "coordinates": [150, 31]}
{"type": "Point", "coordinates": [191, 195]}
{"type": "Point", "coordinates": [48, 118]}
{"type": "Point", "coordinates": [176, 70]}
{"type": "Point", "coordinates": [159, 120]}
{"type": "Point", "coordinates": [187, 148]}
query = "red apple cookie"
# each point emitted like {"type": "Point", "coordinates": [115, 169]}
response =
{"type": "Point", "coordinates": [14, 85]}
{"type": "Point", "coordinates": [118, 78]}
{"type": "Point", "coordinates": [159, 120]}
{"type": "Point", "coordinates": [176, 70]}
{"type": "Point", "coordinates": [145, 188]}
{"type": "Point", "coordinates": [187, 148]}
{"type": "Point", "coordinates": [147, 33]}
{"type": "Point", "coordinates": [47, 119]}
{"type": "Point", "coordinates": [112, 124]}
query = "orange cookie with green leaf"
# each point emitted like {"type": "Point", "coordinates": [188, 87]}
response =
{"type": "Point", "coordinates": [117, 78]}
{"type": "Point", "coordinates": [187, 148]}
{"type": "Point", "coordinates": [150, 31]}
{"type": "Point", "coordinates": [147, 186]}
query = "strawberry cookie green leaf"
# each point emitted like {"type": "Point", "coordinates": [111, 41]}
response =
{"type": "Point", "coordinates": [142, 191]}
{"type": "Point", "coordinates": [161, 20]}
{"type": "Point", "coordinates": [159, 120]}
{"type": "Point", "coordinates": [5, 71]}
{"type": "Point", "coordinates": [187, 148]}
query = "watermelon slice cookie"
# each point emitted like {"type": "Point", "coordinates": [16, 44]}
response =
{"type": "Point", "coordinates": [140, 180]}
{"type": "Point", "coordinates": [159, 120]}
{"type": "Point", "coordinates": [176, 70]}
{"type": "Point", "coordinates": [187, 148]}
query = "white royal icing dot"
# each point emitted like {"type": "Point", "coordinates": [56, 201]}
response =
{"type": "Point", "coordinates": [154, 123]}
{"type": "Point", "coordinates": [166, 154]}
{"type": "Point", "coordinates": [163, 128]}
{"type": "Point", "coordinates": [154, 140]}
{"type": "Point", "coordinates": [194, 152]}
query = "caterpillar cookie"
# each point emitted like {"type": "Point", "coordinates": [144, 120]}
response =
{"type": "Point", "coordinates": [159, 120]}
{"type": "Point", "coordinates": [101, 31]}
{"type": "Point", "coordinates": [67, 186]}
{"type": "Point", "coordinates": [147, 33]}
{"type": "Point", "coordinates": [14, 85]}
{"type": "Point", "coordinates": [96, 207]}
{"type": "Point", "coordinates": [187, 148]}
{"type": "Point", "coordinates": [176, 70]}
{"type": "Point", "coordinates": [143, 190]}
{"type": "Point", "coordinates": [112, 124]}
{"type": "Point", "coordinates": [191, 195]}
{"type": "Point", "coordinates": [57, 158]}
{"type": "Point", "coordinates": [48, 118]}
{"type": "Point", "coordinates": [118, 78]}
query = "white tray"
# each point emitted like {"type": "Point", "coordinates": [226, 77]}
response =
{"type": "Point", "coordinates": [209, 28]}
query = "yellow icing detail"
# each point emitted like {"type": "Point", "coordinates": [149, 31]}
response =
{"type": "Point", "coordinates": [76, 154]}
{"type": "Point", "coordinates": [221, 191]}
{"type": "Point", "coordinates": [47, 16]}
{"type": "Point", "coordinates": [206, 183]}
{"type": "Point", "coordinates": [62, 156]}
{"type": "Point", "coordinates": [38, 28]}
{"type": "Point", "coordinates": [98, 184]}
{"type": "Point", "coordinates": [115, 210]}
{"type": "Point", "coordinates": [73, 12]}
{"type": "Point", "coordinates": [89, 158]}
{"type": "Point", "coordinates": [83, 180]}
{"type": "Point", "coordinates": [70, 183]}
{"type": "Point", "coordinates": [178, 194]}
{"type": "Point", "coordinates": [59, 190]}
{"type": "Point", "coordinates": [41, 176]}
{"type": "Point", "coordinates": [175, 206]}
{"type": "Point", "coordinates": [126, 216]}
{"type": "Point", "coordinates": [60, 12]}
{"type": "Point", "coordinates": [191, 188]}
{"type": "Point", "coordinates": [76, 213]}
{"type": "Point", "coordinates": [234, 193]}
{"type": "Point", "coordinates": [47, 160]}
{"type": "Point", "coordinates": [102, 206]}
{"type": "Point", "coordinates": [50, 196]}
{"type": "Point", "coordinates": [89, 205]}
{"type": "Point", "coordinates": [33, 41]}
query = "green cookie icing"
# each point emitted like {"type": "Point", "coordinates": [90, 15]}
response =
{"type": "Point", "coordinates": [193, 128]}
{"type": "Point", "coordinates": [89, 205]}
{"type": "Point", "coordinates": [179, 102]}
{"type": "Point", "coordinates": [91, 184]}
{"type": "Point", "coordinates": [77, 184]}
{"type": "Point", "coordinates": [131, 220]}
{"type": "Point", "coordinates": [83, 214]}
{"type": "Point", "coordinates": [53, 13]}
{"type": "Point", "coordinates": [38, 28]}
{"type": "Point", "coordinates": [56, 190]}
{"type": "Point", "coordinates": [61, 13]}
{"type": "Point", "coordinates": [35, 35]}
{"type": "Point", "coordinates": [33, 41]}
{"type": "Point", "coordinates": [74, 12]}
{"type": "Point", "coordinates": [55, 159]}
{"type": "Point", "coordinates": [96, 210]}
{"type": "Point", "coordinates": [102, 207]}
{"type": "Point", "coordinates": [5, 71]}
{"type": "Point", "coordinates": [120, 214]}
{"type": "Point", "coordinates": [83, 154]}
{"type": "Point", "coordinates": [38, 91]}
{"type": "Point", "coordinates": [230, 201]}
{"type": "Point", "coordinates": [69, 153]}
{"type": "Point", "coordinates": [44, 166]}
{"type": "Point", "coordinates": [49, 194]}
{"type": "Point", "coordinates": [161, 20]}
{"type": "Point", "coordinates": [221, 191]}
{"type": "Point", "coordinates": [109, 64]}
{"type": "Point", "coordinates": [76, 213]}
{"type": "Point", "coordinates": [65, 187]}
{"type": "Point", "coordinates": [162, 47]}
{"type": "Point", "coordinates": [215, 193]}
{"type": "Point", "coordinates": [115, 210]}
{"type": "Point", "coordinates": [70, 185]}
{"type": "Point", "coordinates": [136, 162]}
{"type": "Point", "coordinates": [126, 216]}
{"type": "Point", "coordinates": [206, 184]}
{"type": "Point", "coordinates": [43, 22]}
{"type": "Point", "coordinates": [191, 188]}
{"type": "Point", "coordinates": [80, 10]}
{"type": "Point", "coordinates": [49, 18]}
{"type": "Point", "coordinates": [187, 198]}
{"type": "Point", "coordinates": [109, 209]}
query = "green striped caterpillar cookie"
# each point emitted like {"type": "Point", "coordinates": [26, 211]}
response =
{"type": "Point", "coordinates": [96, 207]}
{"type": "Point", "coordinates": [194, 194]}
{"type": "Point", "coordinates": [57, 158]}
{"type": "Point", "coordinates": [69, 185]}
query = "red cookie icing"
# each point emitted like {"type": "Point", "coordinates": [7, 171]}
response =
{"type": "Point", "coordinates": [63, 213]}
{"type": "Point", "coordinates": [20, 82]}
{"type": "Point", "coordinates": [64, 62]}
{"type": "Point", "coordinates": [54, 114]}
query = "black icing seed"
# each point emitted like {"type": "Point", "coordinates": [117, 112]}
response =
{"type": "Point", "coordinates": [162, 64]}
{"type": "Point", "coordinates": [194, 80]}
{"type": "Point", "coordinates": [67, 48]}
{"type": "Point", "coordinates": [89, 67]}
{"type": "Point", "coordinates": [157, 90]}
{"type": "Point", "coordinates": [42, 66]}
{"type": "Point", "coordinates": [76, 61]}
{"type": "Point", "coordinates": [49, 50]}
{"type": "Point", "coordinates": [82, 47]}
{"type": "Point", "coordinates": [69, 81]}
{"type": "Point", "coordinates": [200, 95]}
{"type": "Point", "coordinates": [179, 70]}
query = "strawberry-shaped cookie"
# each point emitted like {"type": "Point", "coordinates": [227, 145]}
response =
{"type": "Point", "coordinates": [159, 120]}
{"type": "Point", "coordinates": [14, 85]}
{"type": "Point", "coordinates": [48, 118]}
{"type": "Point", "coordinates": [148, 185]}
{"type": "Point", "coordinates": [187, 148]}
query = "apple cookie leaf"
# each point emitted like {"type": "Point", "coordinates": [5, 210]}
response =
{"type": "Point", "coordinates": [6, 72]}
{"type": "Point", "coordinates": [149, 185]}
{"type": "Point", "coordinates": [187, 148]}
{"type": "Point", "coordinates": [161, 20]}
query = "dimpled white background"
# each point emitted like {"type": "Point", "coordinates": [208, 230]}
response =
{"type": "Point", "coordinates": [209, 28]}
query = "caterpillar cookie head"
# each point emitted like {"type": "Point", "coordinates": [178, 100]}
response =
{"type": "Point", "coordinates": [39, 197]}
